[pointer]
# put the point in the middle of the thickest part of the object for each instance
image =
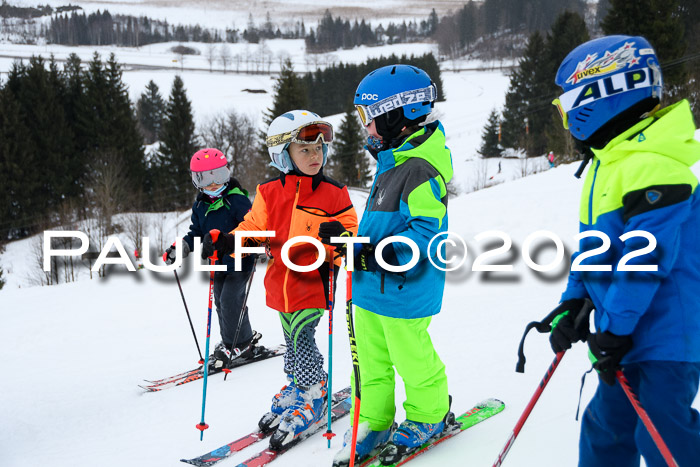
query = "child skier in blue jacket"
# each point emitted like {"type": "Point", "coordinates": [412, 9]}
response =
{"type": "Point", "coordinates": [640, 192]}
{"type": "Point", "coordinates": [221, 204]}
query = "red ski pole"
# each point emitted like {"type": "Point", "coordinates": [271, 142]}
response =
{"type": "Point", "coordinates": [528, 409]}
{"type": "Point", "coordinates": [355, 369]}
{"type": "Point", "coordinates": [644, 416]}
{"type": "Point", "coordinates": [201, 426]}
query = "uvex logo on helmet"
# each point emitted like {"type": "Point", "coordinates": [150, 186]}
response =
{"type": "Point", "coordinates": [370, 97]}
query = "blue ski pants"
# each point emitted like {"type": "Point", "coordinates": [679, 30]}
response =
{"type": "Point", "coordinates": [613, 435]}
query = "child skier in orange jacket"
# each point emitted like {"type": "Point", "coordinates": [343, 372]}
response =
{"type": "Point", "coordinates": [292, 205]}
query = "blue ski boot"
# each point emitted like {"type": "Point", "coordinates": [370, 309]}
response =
{"type": "Point", "coordinates": [410, 436]}
{"type": "Point", "coordinates": [368, 443]}
{"type": "Point", "coordinates": [281, 402]}
{"type": "Point", "coordinates": [308, 409]}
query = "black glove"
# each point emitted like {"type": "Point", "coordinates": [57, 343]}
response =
{"type": "Point", "coordinates": [365, 260]}
{"type": "Point", "coordinates": [333, 229]}
{"type": "Point", "coordinates": [224, 245]}
{"type": "Point", "coordinates": [564, 331]}
{"type": "Point", "coordinates": [171, 253]}
{"type": "Point", "coordinates": [606, 353]}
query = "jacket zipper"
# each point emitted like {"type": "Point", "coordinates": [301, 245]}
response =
{"type": "Point", "coordinates": [286, 273]}
{"type": "Point", "coordinates": [590, 195]}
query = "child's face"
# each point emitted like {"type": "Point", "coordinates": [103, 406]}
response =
{"type": "Point", "coordinates": [307, 157]}
{"type": "Point", "coordinates": [372, 129]}
{"type": "Point", "coordinates": [213, 187]}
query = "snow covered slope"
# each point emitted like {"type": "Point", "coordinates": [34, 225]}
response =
{"type": "Point", "coordinates": [73, 354]}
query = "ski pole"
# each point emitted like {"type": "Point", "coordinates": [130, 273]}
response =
{"type": "Point", "coordinates": [194, 334]}
{"type": "Point", "coordinates": [355, 368]}
{"type": "Point", "coordinates": [528, 409]}
{"type": "Point", "coordinates": [212, 259]}
{"type": "Point", "coordinates": [244, 310]}
{"type": "Point", "coordinates": [644, 416]}
{"type": "Point", "coordinates": [331, 276]}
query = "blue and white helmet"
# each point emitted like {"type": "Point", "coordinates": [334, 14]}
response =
{"type": "Point", "coordinates": [393, 87]}
{"type": "Point", "coordinates": [286, 128]}
{"type": "Point", "coordinates": [603, 78]}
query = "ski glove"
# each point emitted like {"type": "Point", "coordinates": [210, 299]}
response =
{"type": "Point", "coordinates": [171, 253]}
{"type": "Point", "coordinates": [366, 261]}
{"type": "Point", "coordinates": [606, 353]}
{"type": "Point", "coordinates": [564, 331]}
{"type": "Point", "coordinates": [333, 229]}
{"type": "Point", "coordinates": [224, 245]}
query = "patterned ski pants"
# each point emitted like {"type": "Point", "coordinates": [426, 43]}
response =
{"type": "Point", "coordinates": [303, 359]}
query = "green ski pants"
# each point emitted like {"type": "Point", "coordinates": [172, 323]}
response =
{"type": "Point", "coordinates": [384, 343]}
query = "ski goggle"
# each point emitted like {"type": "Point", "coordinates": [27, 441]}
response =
{"type": "Point", "coordinates": [367, 113]}
{"type": "Point", "coordinates": [308, 134]}
{"type": "Point", "coordinates": [603, 88]}
{"type": "Point", "coordinates": [206, 178]}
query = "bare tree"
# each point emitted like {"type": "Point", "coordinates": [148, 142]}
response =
{"type": "Point", "coordinates": [107, 190]}
{"type": "Point", "coordinates": [225, 56]}
{"type": "Point", "coordinates": [211, 56]}
{"type": "Point", "coordinates": [266, 56]}
{"type": "Point", "coordinates": [480, 175]}
{"type": "Point", "coordinates": [236, 136]}
{"type": "Point", "coordinates": [135, 228]}
{"type": "Point", "coordinates": [283, 56]}
{"type": "Point", "coordinates": [180, 58]}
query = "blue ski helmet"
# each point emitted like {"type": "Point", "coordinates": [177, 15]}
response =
{"type": "Point", "coordinates": [605, 77]}
{"type": "Point", "coordinates": [405, 89]}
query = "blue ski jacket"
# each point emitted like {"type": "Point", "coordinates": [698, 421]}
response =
{"type": "Point", "coordinates": [641, 181]}
{"type": "Point", "coordinates": [408, 198]}
{"type": "Point", "coordinates": [223, 213]}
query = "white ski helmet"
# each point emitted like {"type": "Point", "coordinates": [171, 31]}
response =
{"type": "Point", "coordinates": [296, 126]}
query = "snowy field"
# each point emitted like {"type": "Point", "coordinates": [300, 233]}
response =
{"type": "Point", "coordinates": [73, 355]}
{"type": "Point", "coordinates": [235, 14]}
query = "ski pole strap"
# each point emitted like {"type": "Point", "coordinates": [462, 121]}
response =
{"type": "Point", "coordinates": [580, 392]}
{"type": "Point", "coordinates": [545, 326]}
{"type": "Point", "coordinates": [542, 327]}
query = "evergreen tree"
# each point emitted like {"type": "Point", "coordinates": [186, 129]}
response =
{"type": "Point", "coordinates": [660, 22]}
{"type": "Point", "coordinates": [349, 163]}
{"type": "Point", "coordinates": [490, 144]}
{"type": "Point", "coordinates": [568, 31]}
{"type": "Point", "coordinates": [125, 139]}
{"type": "Point", "coordinates": [178, 143]}
{"type": "Point", "coordinates": [433, 22]}
{"type": "Point", "coordinates": [528, 100]}
{"type": "Point", "coordinates": [21, 190]}
{"type": "Point", "coordinates": [50, 145]}
{"type": "Point", "coordinates": [2, 280]}
{"type": "Point", "coordinates": [150, 109]}
{"type": "Point", "coordinates": [690, 12]}
{"type": "Point", "coordinates": [290, 94]}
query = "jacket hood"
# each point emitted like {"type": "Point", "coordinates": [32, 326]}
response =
{"type": "Point", "coordinates": [428, 143]}
{"type": "Point", "coordinates": [669, 132]}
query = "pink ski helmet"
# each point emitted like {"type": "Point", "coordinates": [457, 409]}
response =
{"type": "Point", "coordinates": [209, 166]}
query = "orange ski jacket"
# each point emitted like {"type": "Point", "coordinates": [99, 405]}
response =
{"type": "Point", "coordinates": [292, 206]}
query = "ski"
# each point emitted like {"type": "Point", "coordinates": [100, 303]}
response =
{"type": "Point", "coordinates": [480, 412]}
{"type": "Point", "coordinates": [268, 455]}
{"type": "Point", "coordinates": [184, 374]}
{"type": "Point", "coordinates": [233, 447]}
{"type": "Point", "coordinates": [259, 353]}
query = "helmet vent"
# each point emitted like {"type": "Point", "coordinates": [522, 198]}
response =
{"type": "Point", "coordinates": [393, 71]}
